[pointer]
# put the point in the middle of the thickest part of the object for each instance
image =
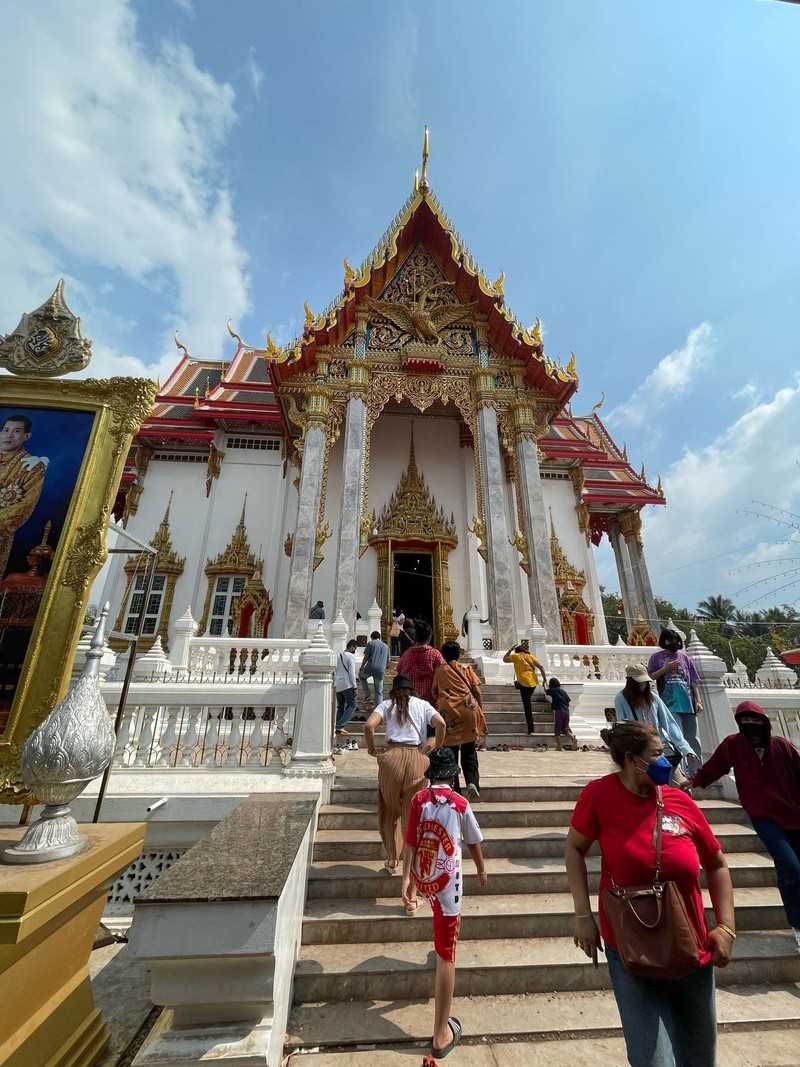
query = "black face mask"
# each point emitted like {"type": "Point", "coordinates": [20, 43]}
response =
{"type": "Point", "coordinates": [754, 732]}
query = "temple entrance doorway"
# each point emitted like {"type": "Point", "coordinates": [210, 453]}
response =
{"type": "Point", "coordinates": [413, 584]}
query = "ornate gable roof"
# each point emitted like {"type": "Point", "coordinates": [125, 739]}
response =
{"type": "Point", "coordinates": [422, 220]}
{"type": "Point", "coordinates": [412, 512]}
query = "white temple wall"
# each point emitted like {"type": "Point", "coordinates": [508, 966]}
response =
{"type": "Point", "coordinates": [440, 460]}
{"type": "Point", "coordinates": [559, 496]}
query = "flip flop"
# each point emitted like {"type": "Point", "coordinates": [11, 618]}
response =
{"type": "Point", "coordinates": [455, 1026]}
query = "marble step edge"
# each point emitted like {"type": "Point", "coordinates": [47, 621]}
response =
{"type": "Point", "coordinates": [528, 1016]}
{"type": "Point", "coordinates": [366, 879]}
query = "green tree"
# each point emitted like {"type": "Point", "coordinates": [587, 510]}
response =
{"type": "Point", "coordinates": [716, 608]}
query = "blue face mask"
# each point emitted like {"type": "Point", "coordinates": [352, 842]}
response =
{"type": "Point", "coordinates": [659, 771]}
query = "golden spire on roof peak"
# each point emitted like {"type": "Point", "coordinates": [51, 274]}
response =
{"type": "Point", "coordinates": [426, 151]}
{"type": "Point", "coordinates": [660, 487]}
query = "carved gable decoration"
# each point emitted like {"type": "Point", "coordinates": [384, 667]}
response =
{"type": "Point", "coordinates": [563, 571]}
{"type": "Point", "coordinates": [419, 307]}
{"type": "Point", "coordinates": [237, 557]}
{"type": "Point", "coordinates": [412, 511]}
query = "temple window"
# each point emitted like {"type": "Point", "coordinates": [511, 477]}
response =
{"type": "Point", "coordinates": [154, 604]}
{"type": "Point", "coordinates": [228, 588]}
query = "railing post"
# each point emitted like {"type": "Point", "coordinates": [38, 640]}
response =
{"type": "Point", "coordinates": [474, 633]}
{"type": "Point", "coordinates": [312, 741]}
{"type": "Point", "coordinates": [374, 615]}
{"type": "Point", "coordinates": [185, 629]}
{"type": "Point", "coordinates": [338, 634]}
{"type": "Point", "coordinates": [716, 720]}
{"type": "Point", "coordinates": [537, 641]}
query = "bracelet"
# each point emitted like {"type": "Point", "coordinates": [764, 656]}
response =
{"type": "Point", "coordinates": [731, 934]}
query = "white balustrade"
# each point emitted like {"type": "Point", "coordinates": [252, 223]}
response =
{"type": "Point", "coordinates": [244, 656]}
{"type": "Point", "coordinates": [592, 663]}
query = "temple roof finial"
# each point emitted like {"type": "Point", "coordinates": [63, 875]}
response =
{"type": "Point", "coordinates": [426, 146]}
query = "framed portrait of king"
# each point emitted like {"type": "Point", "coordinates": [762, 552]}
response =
{"type": "Point", "coordinates": [62, 449]}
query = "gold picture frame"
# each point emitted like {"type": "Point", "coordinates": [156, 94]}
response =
{"type": "Point", "coordinates": [119, 405]}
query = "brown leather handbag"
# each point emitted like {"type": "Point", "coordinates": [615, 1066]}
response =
{"type": "Point", "coordinates": [652, 931]}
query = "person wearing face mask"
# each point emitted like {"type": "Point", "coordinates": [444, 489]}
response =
{"type": "Point", "coordinates": [669, 1020]}
{"type": "Point", "coordinates": [678, 684]}
{"type": "Point", "coordinates": [767, 773]}
{"type": "Point", "coordinates": [638, 703]}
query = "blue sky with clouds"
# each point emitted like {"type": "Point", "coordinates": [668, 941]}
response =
{"type": "Point", "coordinates": [631, 167]}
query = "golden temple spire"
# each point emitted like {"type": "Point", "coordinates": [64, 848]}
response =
{"type": "Point", "coordinates": [426, 151]}
{"type": "Point", "coordinates": [244, 508]}
{"type": "Point", "coordinates": [412, 456]}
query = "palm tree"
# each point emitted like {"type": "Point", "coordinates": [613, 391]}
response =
{"type": "Point", "coordinates": [716, 609]}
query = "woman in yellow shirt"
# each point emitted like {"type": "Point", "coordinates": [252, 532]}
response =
{"type": "Point", "coordinates": [525, 667]}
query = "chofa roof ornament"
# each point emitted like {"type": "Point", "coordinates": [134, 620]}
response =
{"type": "Point", "coordinates": [47, 341]}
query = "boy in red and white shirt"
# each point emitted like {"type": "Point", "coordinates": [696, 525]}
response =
{"type": "Point", "coordinates": [438, 822]}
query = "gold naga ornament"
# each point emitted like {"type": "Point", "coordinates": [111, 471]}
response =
{"type": "Point", "coordinates": [423, 322]}
{"type": "Point", "coordinates": [47, 341]}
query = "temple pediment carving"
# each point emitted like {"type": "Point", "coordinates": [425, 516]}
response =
{"type": "Point", "coordinates": [412, 511]}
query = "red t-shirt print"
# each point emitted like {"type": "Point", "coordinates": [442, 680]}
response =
{"type": "Point", "coordinates": [624, 825]}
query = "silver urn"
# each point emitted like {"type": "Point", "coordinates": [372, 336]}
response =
{"type": "Point", "coordinates": [64, 753]}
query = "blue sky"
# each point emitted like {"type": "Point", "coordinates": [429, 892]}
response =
{"type": "Point", "coordinates": [631, 167]}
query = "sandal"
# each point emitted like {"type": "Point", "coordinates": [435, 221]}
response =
{"type": "Point", "coordinates": [455, 1026]}
{"type": "Point", "coordinates": [411, 906]}
{"type": "Point", "coordinates": [390, 868]}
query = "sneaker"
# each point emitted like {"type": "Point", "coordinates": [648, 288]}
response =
{"type": "Point", "coordinates": [472, 793]}
{"type": "Point", "coordinates": [353, 745]}
{"type": "Point", "coordinates": [796, 932]}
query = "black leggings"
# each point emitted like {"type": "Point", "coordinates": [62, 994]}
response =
{"type": "Point", "coordinates": [469, 762]}
{"type": "Point", "coordinates": [526, 692]}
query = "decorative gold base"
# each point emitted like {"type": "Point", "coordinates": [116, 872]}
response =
{"type": "Point", "coordinates": [48, 920]}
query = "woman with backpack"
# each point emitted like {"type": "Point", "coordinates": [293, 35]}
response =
{"type": "Point", "coordinates": [457, 696]}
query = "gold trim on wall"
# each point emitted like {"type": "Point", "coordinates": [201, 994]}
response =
{"type": "Point", "coordinates": [120, 406]}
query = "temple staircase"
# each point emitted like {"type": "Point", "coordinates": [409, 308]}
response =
{"type": "Point", "coordinates": [524, 994]}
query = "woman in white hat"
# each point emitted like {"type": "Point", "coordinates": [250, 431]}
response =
{"type": "Point", "coordinates": [638, 702]}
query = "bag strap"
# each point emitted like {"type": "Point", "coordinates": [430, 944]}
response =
{"type": "Point", "coordinates": [659, 828]}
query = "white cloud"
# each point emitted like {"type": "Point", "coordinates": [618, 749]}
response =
{"type": "Point", "coordinates": [672, 376]}
{"type": "Point", "coordinates": [113, 166]}
{"type": "Point", "coordinates": [748, 392]}
{"type": "Point", "coordinates": [255, 72]}
{"type": "Point", "coordinates": [709, 490]}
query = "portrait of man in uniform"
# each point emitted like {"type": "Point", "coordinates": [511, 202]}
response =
{"type": "Point", "coordinates": [21, 480]}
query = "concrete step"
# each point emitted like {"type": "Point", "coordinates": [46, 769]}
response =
{"type": "Point", "coordinates": [503, 841]}
{"type": "Point", "coordinates": [579, 1019]}
{"type": "Point", "coordinates": [368, 880]}
{"type": "Point", "coordinates": [360, 792]}
{"type": "Point", "coordinates": [485, 916]}
{"type": "Point", "coordinates": [496, 729]}
{"type": "Point", "coordinates": [498, 716]}
{"type": "Point", "coordinates": [509, 813]}
{"type": "Point", "coordinates": [402, 970]}
{"type": "Point", "coordinates": [738, 1046]}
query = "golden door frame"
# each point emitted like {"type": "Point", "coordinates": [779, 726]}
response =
{"type": "Point", "coordinates": [444, 628]}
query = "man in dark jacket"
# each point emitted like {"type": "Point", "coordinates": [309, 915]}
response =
{"type": "Point", "coordinates": [767, 773]}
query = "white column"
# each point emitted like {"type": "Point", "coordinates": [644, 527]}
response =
{"type": "Point", "coordinates": [301, 572]}
{"type": "Point", "coordinates": [542, 587]}
{"type": "Point", "coordinates": [595, 596]}
{"type": "Point", "coordinates": [630, 525]}
{"type": "Point", "coordinates": [498, 563]}
{"type": "Point", "coordinates": [715, 722]}
{"type": "Point", "coordinates": [626, 585]}
{"type": "Point", "coordinates": [477, 567]}
{"type": "Point", "coordinates": [346, 582]}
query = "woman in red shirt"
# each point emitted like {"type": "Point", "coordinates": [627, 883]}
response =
{"type": "Point", "coordinates": [665, 1021]}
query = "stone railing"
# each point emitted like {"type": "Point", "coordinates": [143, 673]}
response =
{"type": "Point", "coordinates": [780, 703]}
{"type": "Point", "coordinates": [592, 663]}
{"type": "Point", "coordinates": [230, 704]}
{"type": "Point", "coordinates": [246, 655]}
